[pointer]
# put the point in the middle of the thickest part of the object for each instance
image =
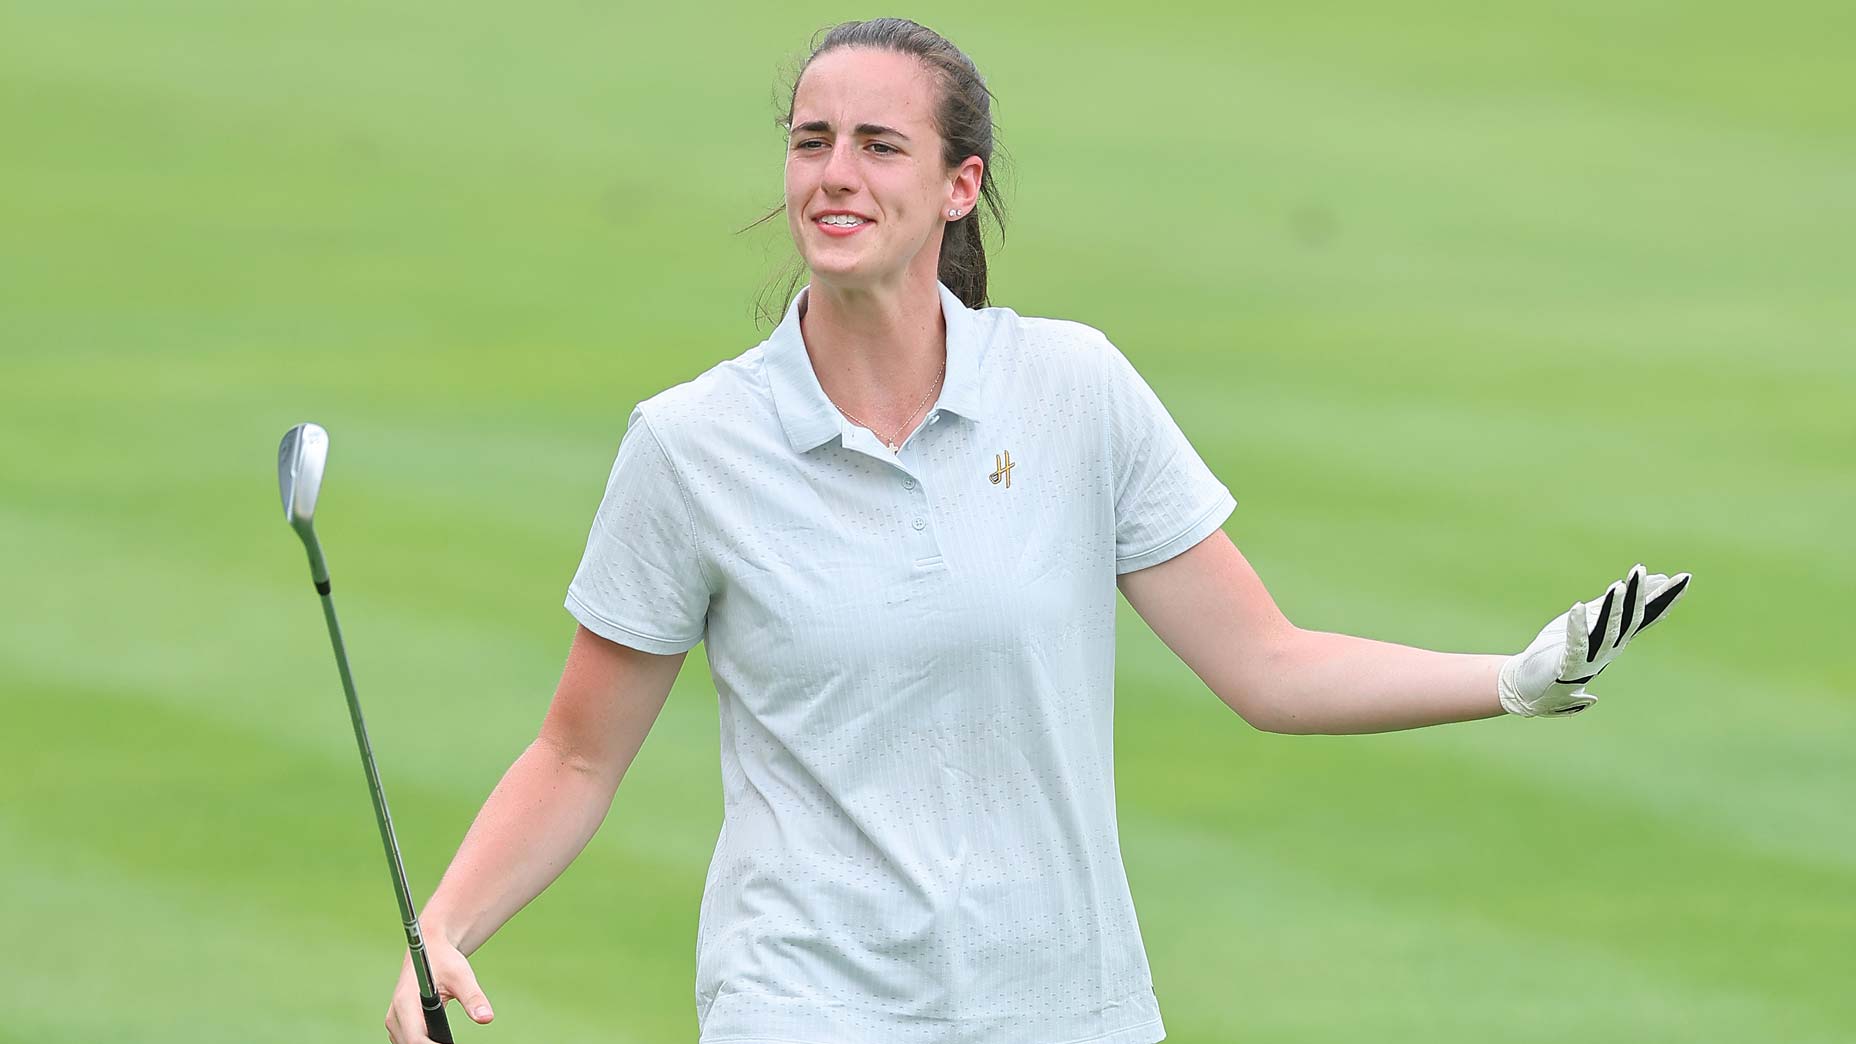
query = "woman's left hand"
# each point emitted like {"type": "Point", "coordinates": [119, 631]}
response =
{"type": "Point", "coordinates": [1549, 676]}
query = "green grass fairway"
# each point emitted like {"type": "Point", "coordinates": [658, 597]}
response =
{"type": "Point", "coordinates": [1472, 306]}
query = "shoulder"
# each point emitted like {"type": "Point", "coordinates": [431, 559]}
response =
{"type": "Point", "coordinates": [683, 414]}
{"type": "Point", "coordinates": [1046, 333]}
{"type": "Point", "coordinates": [1047, 339]}
{"type": "Point", "coordinates": [1055, 348]}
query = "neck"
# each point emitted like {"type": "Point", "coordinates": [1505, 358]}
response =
{"type": "Point", "coordinates": [877, 350]}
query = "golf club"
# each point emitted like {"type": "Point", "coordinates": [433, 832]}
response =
{"type": "Point", "coordinates": [300, 460]}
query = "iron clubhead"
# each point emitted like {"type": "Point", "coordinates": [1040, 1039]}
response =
{"type": "Point", "coordinates": [300, 459]}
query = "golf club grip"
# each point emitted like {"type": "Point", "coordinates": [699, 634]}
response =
{"type": "Point", "coordinates": [435, 1025]}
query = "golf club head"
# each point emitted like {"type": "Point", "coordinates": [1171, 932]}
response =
{"type": "Point", "coordinates": [300, 459]}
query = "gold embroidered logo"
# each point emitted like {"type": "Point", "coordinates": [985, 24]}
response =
{"type": "Point", "coordinates": [1002, 468]}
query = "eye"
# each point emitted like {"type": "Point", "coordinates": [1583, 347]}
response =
{"type": "Point", "coordinates": [887, 149]}
{"type": "Point", "coordinates": [809, 141]}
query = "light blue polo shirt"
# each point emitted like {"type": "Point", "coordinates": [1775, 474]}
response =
{"type": "Point", "coordinates": [914, 654]}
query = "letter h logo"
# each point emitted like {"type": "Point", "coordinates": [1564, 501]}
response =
{"type": "Point", "coordinates": [1002, 468]}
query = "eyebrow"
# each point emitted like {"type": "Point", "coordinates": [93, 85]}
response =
{"type": "Point", "coordinates": [865, 129]}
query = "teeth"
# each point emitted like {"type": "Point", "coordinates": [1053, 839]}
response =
{"type": "Point", "coordinates": [840, 219]}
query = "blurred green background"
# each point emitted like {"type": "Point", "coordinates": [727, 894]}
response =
{"type": "Point", "coordinates": [1473, 307]}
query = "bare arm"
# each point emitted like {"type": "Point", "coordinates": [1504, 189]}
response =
{"type": "Point", "coordinates": [1208, 605]}
{"type": "Point", "coordinates": [550, 802]}
{"type": "Point", "coordinates": [1334, 684]}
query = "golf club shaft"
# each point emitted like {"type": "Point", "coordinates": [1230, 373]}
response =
{"type": "Point", "coordinates": [436, 1027]}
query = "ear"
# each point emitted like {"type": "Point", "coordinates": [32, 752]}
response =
{"type": "Point", "coordinates": [964, 187]}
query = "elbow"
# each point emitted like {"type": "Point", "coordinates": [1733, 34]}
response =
{"type": "Point", "coordinates": [1285, 726]}
{"type": "Point", "coordinates": [1258, 696]}
{"type": "Point", "coordinates": [1261, 712]}
{"type": "Point", "coordinates": [1273, 722]}
{"type": "Point", "coordinates": [563, 756]}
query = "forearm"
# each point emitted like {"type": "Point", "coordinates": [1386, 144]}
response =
{"type": "Point", "coordinates": [1319, 682]}
{"type": "Point", "coordinates": [540, 816]}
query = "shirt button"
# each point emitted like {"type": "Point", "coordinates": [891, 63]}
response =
{"type": "Point", "coordinates": [934, 418]}
{"type": "Point", "coordinates": [921, 524]}
{"type": "Point", "coordinates": [908, 483]}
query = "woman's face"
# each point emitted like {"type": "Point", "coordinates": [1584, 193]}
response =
{"type": "Point", "coordinates": [863, 142]}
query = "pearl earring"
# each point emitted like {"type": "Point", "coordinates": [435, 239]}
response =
{"type": "Point", "coordinates": [953, 213]}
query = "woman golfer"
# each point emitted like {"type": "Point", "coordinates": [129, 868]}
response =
{"type": "Point", "coordinates": [900, 523]}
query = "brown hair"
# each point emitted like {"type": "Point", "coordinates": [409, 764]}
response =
{"type": "Point", "coordinates": [963, 118]}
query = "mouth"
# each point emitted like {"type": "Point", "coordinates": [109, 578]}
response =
{"type": "Point", "coordinates": [841, 225]}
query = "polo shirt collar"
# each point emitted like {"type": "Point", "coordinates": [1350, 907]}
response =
{"type": "Point", "coordinates": [807, 413]}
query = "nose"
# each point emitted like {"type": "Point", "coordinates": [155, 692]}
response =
{"type": "Point", "coordinates": [841, 167]}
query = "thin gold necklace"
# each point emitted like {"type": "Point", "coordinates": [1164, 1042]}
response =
{"type": "Point", "coordinates": [892, 442]}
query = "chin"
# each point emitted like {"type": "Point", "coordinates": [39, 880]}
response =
{"type": "Point", "coordinates": [841, 272]}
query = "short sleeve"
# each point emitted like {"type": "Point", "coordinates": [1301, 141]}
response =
{"type": "Point", "coordinates": [1166, 498]}
{"type": "Point", "coordinates": [640, 582]}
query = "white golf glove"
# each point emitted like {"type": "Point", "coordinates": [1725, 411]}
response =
{"type": "Point", "coordinates": [1549, 676]}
